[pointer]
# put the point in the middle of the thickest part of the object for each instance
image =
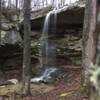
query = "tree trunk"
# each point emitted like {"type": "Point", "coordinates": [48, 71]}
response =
{"type": "Point", "coordinates": [98, 39]}
{"type": "Point", "coordinates": [96, 93]}
{"type": "Point", "coordinates": [0, 19]}
{"type": "Point", "coordinates": [9, 3]}
{"type": "Point", "coordinates": [16, 4]}
{"type": "Point", "coordinates": [89, 39]}
{"type": "Point", "coordinates": [17, 10]}
{"type": "Point", "coordinates": [26, 54]}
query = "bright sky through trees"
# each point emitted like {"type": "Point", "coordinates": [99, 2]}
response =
{"type": "Point", "coordinates": [39, 3]}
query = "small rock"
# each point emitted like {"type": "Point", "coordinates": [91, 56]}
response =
{"type": "Point", "coordinates": [12, 81]}
{"type": "Point", "coordinates": [9, 82]}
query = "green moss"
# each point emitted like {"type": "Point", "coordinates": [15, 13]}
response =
{"type": "Point", "coordinates": [18, 39]}
{"type": "Point", "coordinates": [66, 94]}
{"type": "Point", "coordinates": [34, 71]}
{"type": "Point", "coordinates": [79, 89]}
{"type": "Point", "coordinates": [35, 48]}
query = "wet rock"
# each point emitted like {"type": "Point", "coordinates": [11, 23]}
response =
{"type": "Point", "coordinates": [9, 82]}
{"type": "Point", "coordinates": [45, 76]}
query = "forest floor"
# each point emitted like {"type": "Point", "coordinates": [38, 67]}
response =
{"type": "Point", "coordinates": [67, 87]}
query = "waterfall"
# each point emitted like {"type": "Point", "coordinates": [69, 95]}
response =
{"type": "Point", "coordinates": [47, 49]}
{"type": "Point", "coordinates": [44, 41]}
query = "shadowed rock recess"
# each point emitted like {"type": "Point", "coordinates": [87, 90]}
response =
{"type": "Point", "coordinates": [66, 36]}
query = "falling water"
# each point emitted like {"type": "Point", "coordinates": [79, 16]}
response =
{"type": "Point", "coordinates": [44, 41]}
{"type": "Point", "coordinates": [47, 49]}
{"type": "Point", "coordinates": [45, 76]}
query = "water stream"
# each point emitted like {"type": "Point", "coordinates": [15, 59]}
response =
{"type": "Point", "coordinates": [47, 49]}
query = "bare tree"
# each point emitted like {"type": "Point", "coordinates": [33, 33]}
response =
{"type": "Point", "coordinates": [26, 53]}
{"type": "Point", "coordinates": [89, 39]}
{"type": "Point", "coordinates": [17, 9]}
{"type": "Point", "coordinates": [0, 19]}
{"type": "Point", "coordinates": [9, 3]}
{"type": "Point", "coordinates": [16, 4]}
{"type": "Point", "coordinates": [46, 2]}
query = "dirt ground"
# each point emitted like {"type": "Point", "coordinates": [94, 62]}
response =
{"type": "Point", "coordinates": [66, 87]}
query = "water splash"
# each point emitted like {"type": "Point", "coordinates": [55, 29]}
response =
{"type": "Point", "coordinates": [45, 76]}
